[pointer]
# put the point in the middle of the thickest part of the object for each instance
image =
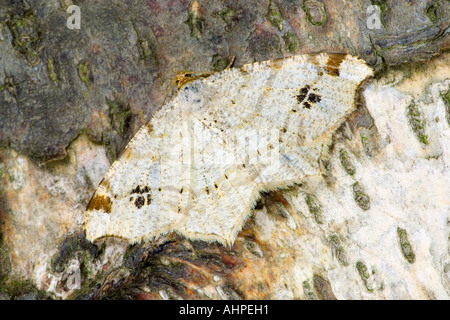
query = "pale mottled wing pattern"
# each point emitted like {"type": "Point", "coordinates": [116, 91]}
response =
{"type": "Point", "coordinates": [200, 164]}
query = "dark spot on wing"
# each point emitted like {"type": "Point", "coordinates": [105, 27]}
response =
{"type": "Point", "coordinates": [181, 190]}
{"type": "Point", "coordinates": [138, 190]}
{"type": "Point", "coordinates": [333, 63]}
{"type": "Point", "coordinates": [140, 201]}
{"type": "Point", "coordinates": [301, 97]}
{"type": "Point", "coordinates": [314, 98]}
{"type": "Point", "coordinates": [207, 190]}
{"type": "Point", "coordinates": [308, 96]}
{"type": "Point", "coordinates": [303, 92]}
{"type": "Point", "coordinates": [100, 202]}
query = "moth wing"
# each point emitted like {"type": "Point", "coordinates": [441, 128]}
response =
{"type": "Point", "coordinates": [139, 197]}
{"type": "Point", "coordinates": [222, 188]}
{"type": "Point", "coordinates": [287, 108]}
{"type": "Point", "coordinates": [191, 174]}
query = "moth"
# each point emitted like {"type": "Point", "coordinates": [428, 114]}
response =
{"type": "Point", "coordinates": [198, 167]}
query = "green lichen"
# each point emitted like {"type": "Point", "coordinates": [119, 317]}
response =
{"type": "Point", "coordinates": [364, 140]}
{"type": "Point", "coordinates": [226, 14]}
{"type": "Point", "coordinates": [338, 249]}
{"type": "Point", "coordinates": [85, 266]}
{"type": "Point", "coordinates": [308, 291]}
{"type": "Point", "coordinates": [144, 49]}
{"type": "Point", "coordinates": [432, 11]}
{"type": "Point", "coordinates": [314, 207]}
{"type": "Point", "coordinates": [51, 70]}
{"type": "Point", "coordinates": [381, 4]}
{"type": "Point", "coordinates": [364, 274]}
{"type": "Point", "coordinates": [346, 162]}
{"type": "Point", "coordinates": [315, 12]}
{"type": "Point", "coordinates": [362, 270]}
{"type": "Point", "coordinates": [8, 85]}
{"type": "Point", "coordinates": [368, 142]}
{"type": "Point", "coordinates": [194, 20]}
{"type": "Point", "coordinates": [112, 154]}
{"type": "Point", "coordinates": [26, 35]}
{"type": "Point", "coordinates": [24, 290]}
{"type": "Point", "coordinates": [143, 45]}
{"type": "Point", "coordinates": [405, 245]}
{"type": "Point", "coordinates": [446, 98]}
{"type": "Point", "coordinates": [229, 16]}
{"type": "Point", "coordinates": [291, 42]}
{"type": "Point", "coordinates": [70, 248]}
{"type": "Point", "coordinates": [219, 62]}
{"type": "Point", "coordinates": [274, 16]}
{"type": "Point", "coordinates": [417, 122]}
{"type": "Point", "coordinates": [120, 116]}
{"type": "Point", "coordinates": [434, 157]}
{"type": "Point", "coordinates": [83, 72]}
{"type": "Point", "coordinates": [361, 198]}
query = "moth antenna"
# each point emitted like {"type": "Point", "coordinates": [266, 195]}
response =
{"type": "Point", "coordinates": [230, 64]}
{"type": "Point", "coordinates": [142, 118]}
